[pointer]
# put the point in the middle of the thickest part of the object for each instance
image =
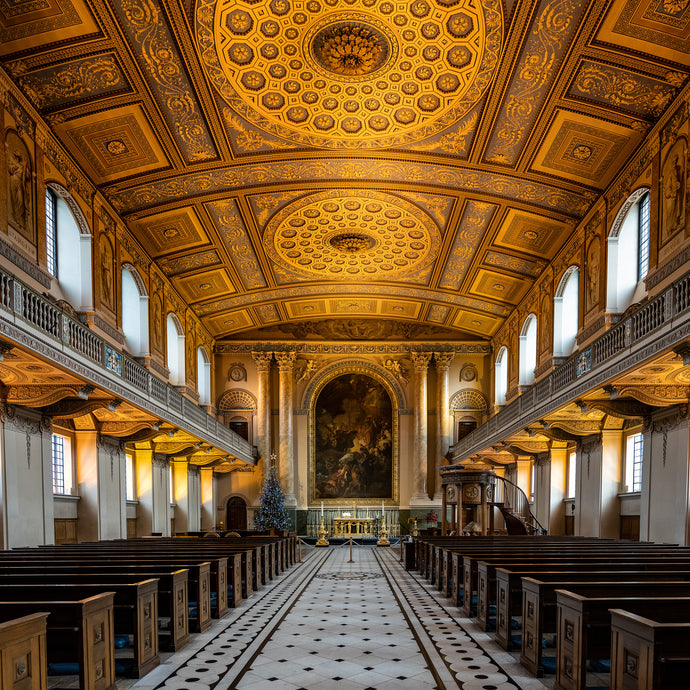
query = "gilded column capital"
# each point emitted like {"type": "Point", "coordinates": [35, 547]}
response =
{"type": "Point", "coordinates": [262, 360]}
{"type": "Point", "coordinates": [443, 360]}
{"type": "Point", "coordinates": [420, 360]}
{"type": "Point", "coordinates": [286, 360]}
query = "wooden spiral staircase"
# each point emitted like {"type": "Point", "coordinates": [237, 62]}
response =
{"type": "Point", "coordinates": [513, 504]}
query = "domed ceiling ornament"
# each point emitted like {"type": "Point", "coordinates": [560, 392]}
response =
{"type": "Point", "coordinates": [377, 74]}
{"type": "Point", "coordinates": [360, 234]}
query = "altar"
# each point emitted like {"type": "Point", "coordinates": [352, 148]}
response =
{"type": "Point", "coordinates": [353, 526]}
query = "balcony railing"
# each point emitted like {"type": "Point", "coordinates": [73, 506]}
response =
{"type": "Point", "coordinates": [49, 319]}
{"type": "Point", "coordinates": [646, 319]}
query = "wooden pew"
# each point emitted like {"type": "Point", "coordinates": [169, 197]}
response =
{"type": "Point", "coordinates": [539, 604]}
{"type": "Point", "coordinates": [650, 653]}
{"type": "Point", "coordinates": [134, 610]}
{"type": "Point", "coordinates": [23, 659]}
{"type": "Point", "coordinates": [77, 631]}
{"type": "Point", "coordinates": [632, 559]}
{"type": "Point", "coordinates": [199, 575]}
{"type": "Point", "coordinates": [172, 590]}
{"type": "Point", "coordinates": [584, 628]}
{"type": "Point", "coordinates": [509, 581]}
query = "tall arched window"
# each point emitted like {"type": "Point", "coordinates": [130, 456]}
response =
{"type": "Point", "coordinates": [175, 349]}
{"type": "Point", "coordinates": [628, 253]}
{"type": "Point", "coordinates": [68, 248]}
{"type": "Point", "coordinates": [566, 312]}
{"type": "Point", "coordinates": [203, 375]}
{"type": "Point", "coordinates": [501, 377]}
{"type": "Point", "coordinates": [528, 351]}
{"type": "Point", "coordinates": [135, 312]}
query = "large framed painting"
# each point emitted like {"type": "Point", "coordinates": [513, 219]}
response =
{"type": "Point", "coordinates": [354, 447]}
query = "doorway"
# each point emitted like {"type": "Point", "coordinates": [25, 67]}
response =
{"type": "Point", "coordinates": [236, 517]}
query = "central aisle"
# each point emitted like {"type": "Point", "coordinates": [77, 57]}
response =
{"type": "Point", "coordinates": [329, 624]}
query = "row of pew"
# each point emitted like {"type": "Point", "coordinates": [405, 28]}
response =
{"type": "Point", "coordinates": [601, 604]}
{"type": "Point", "coordinates": [105, 608]}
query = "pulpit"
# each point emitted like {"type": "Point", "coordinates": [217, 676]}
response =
{"type": "Point", "coordinates": [467, 493]}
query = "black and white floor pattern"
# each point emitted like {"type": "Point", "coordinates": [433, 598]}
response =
{"type": "Point", "coordinates": [329, 624]}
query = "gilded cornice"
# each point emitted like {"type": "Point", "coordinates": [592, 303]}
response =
{"type": "Point", "coordinates": [129, 199]}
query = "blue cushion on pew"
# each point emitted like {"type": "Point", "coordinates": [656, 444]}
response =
{"type": "Point", "coordinates": [63, 668]}
{"type": "Point", "coordinates": [599, 665]}
{"type": "Point", "coordinates": [516, 640]}
{"type": "Point", "coordinates": [121, 641]}
{"type": "Point", "coordinates": [193, 612]}
{"type": "Point", "coordinates": [123, 666]}
{"type": "Point", "coordinates": [549, 664]}
{"type": "Point", "coordinates": [515, 625]}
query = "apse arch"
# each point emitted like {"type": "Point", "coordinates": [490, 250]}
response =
{"type": "Point", "coordinates": [354, 452]}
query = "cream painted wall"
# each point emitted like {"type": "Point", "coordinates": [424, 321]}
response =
{"type": "Point", "coordinates": [664, 497]}
{"type": "Point", "coordinates": [27, 488]}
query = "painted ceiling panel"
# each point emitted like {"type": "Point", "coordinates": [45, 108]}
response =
{"type": "Point", "coordinates": [360, 160]}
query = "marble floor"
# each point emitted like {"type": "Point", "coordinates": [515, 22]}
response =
{"type": "Point", "coordinates": [329, 623]}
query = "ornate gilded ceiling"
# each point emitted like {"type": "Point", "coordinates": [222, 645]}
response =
{"type": "Point", "coordinates": [284, 161]}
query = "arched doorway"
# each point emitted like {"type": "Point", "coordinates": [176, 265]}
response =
{"type": "Point", "coordinates": [236, 513]}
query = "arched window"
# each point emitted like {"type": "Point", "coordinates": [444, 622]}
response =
{"type": "Point", "coordinates": [566, 312]}
{"type": "Point", "coordinates": [203, 376]}
{"type": "Point", "coordinates": [135, 312]}
{"type": "Point", "coordinates": [628, 253]}
{"type": "Point", "coordinates": [501, 377]}
{"type": "Point", "coordinates": [175, 349]}
{"type": "Point", "coordinates": [528, 351]}
{"type": "Point", "coordinates": [68, 248]}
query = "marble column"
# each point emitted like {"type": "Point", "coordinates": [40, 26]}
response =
{"type": "Point", "coordinates": [286, 461]}
{"type": "Point", "coordinates": [263, 412]}
{"type": "Point", "coordinates": [443, 436]}
{"type": "Point", "coordinates": [420, 361]}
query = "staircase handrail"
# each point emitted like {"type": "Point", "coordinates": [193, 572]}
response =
{"type": "Point", "coordinates": [520, 506]}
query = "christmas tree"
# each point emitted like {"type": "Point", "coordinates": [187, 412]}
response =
{"type": "Point", "coordinates": [272, 512]}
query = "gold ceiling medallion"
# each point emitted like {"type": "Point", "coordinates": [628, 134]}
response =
{"type": "Point", "coordinates": [343, 234]}
{"type": "Point", "coordinates": [376, 75]}
{"type": "Point", "coordinates": [351, 244]}
{"type": "Point", "coordinates": [350, 49]}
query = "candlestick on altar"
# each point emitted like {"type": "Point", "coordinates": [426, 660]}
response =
{"type": "Point", "coordinates": [322, 509]}
{"type": "Point", "coordinates": [322, 541]}
{"type": "Point", "coordinates": [383, 541]}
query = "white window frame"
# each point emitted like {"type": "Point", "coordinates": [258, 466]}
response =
{"type": "Point", "coordinates": [62, 453]}
{"type": "Point", "coordinates": [633, 458]}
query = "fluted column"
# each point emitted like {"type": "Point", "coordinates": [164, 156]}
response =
{"type": "Point", "coordinates": [420, 361]}
{"type": "Point", "coordinates": [286, 362]}
{"type": "Point", "coordinates": [443, 436]}
{"type": "Point", "coordinates": [263, 412]}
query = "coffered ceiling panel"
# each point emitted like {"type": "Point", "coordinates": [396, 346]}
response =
{"type": "Point", "coordinates": [293, 164]}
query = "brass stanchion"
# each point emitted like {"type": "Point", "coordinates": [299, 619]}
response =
{"type": "Point", "coordinates": [350, 561]}
{"type": "Point", "coordinates": [299, 550]}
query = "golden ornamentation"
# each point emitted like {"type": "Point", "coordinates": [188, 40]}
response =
{"type": "Point", "coordinates": [142, 23]}
{"type": "Point", "coordinates": [351, 234]}
{"type": "Point", "coordinates": [87, 77]}
{"type": "Point", "coordinates": [537, 68]}
{"type": "Point", "coordinates": [369, 77]}
{"type": "Point", "coordinates": [128, 200]}
{"type": "Point", "coordinates": [250, 139]}
{"type": "Point", "coordinates": [622, 89]}
{"type": "Point", "coordinates": [453, 142]}
{"type": "Point", "coordinates": [474, 222]}
{"type": "Point", "coordinates": [350, 50]}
